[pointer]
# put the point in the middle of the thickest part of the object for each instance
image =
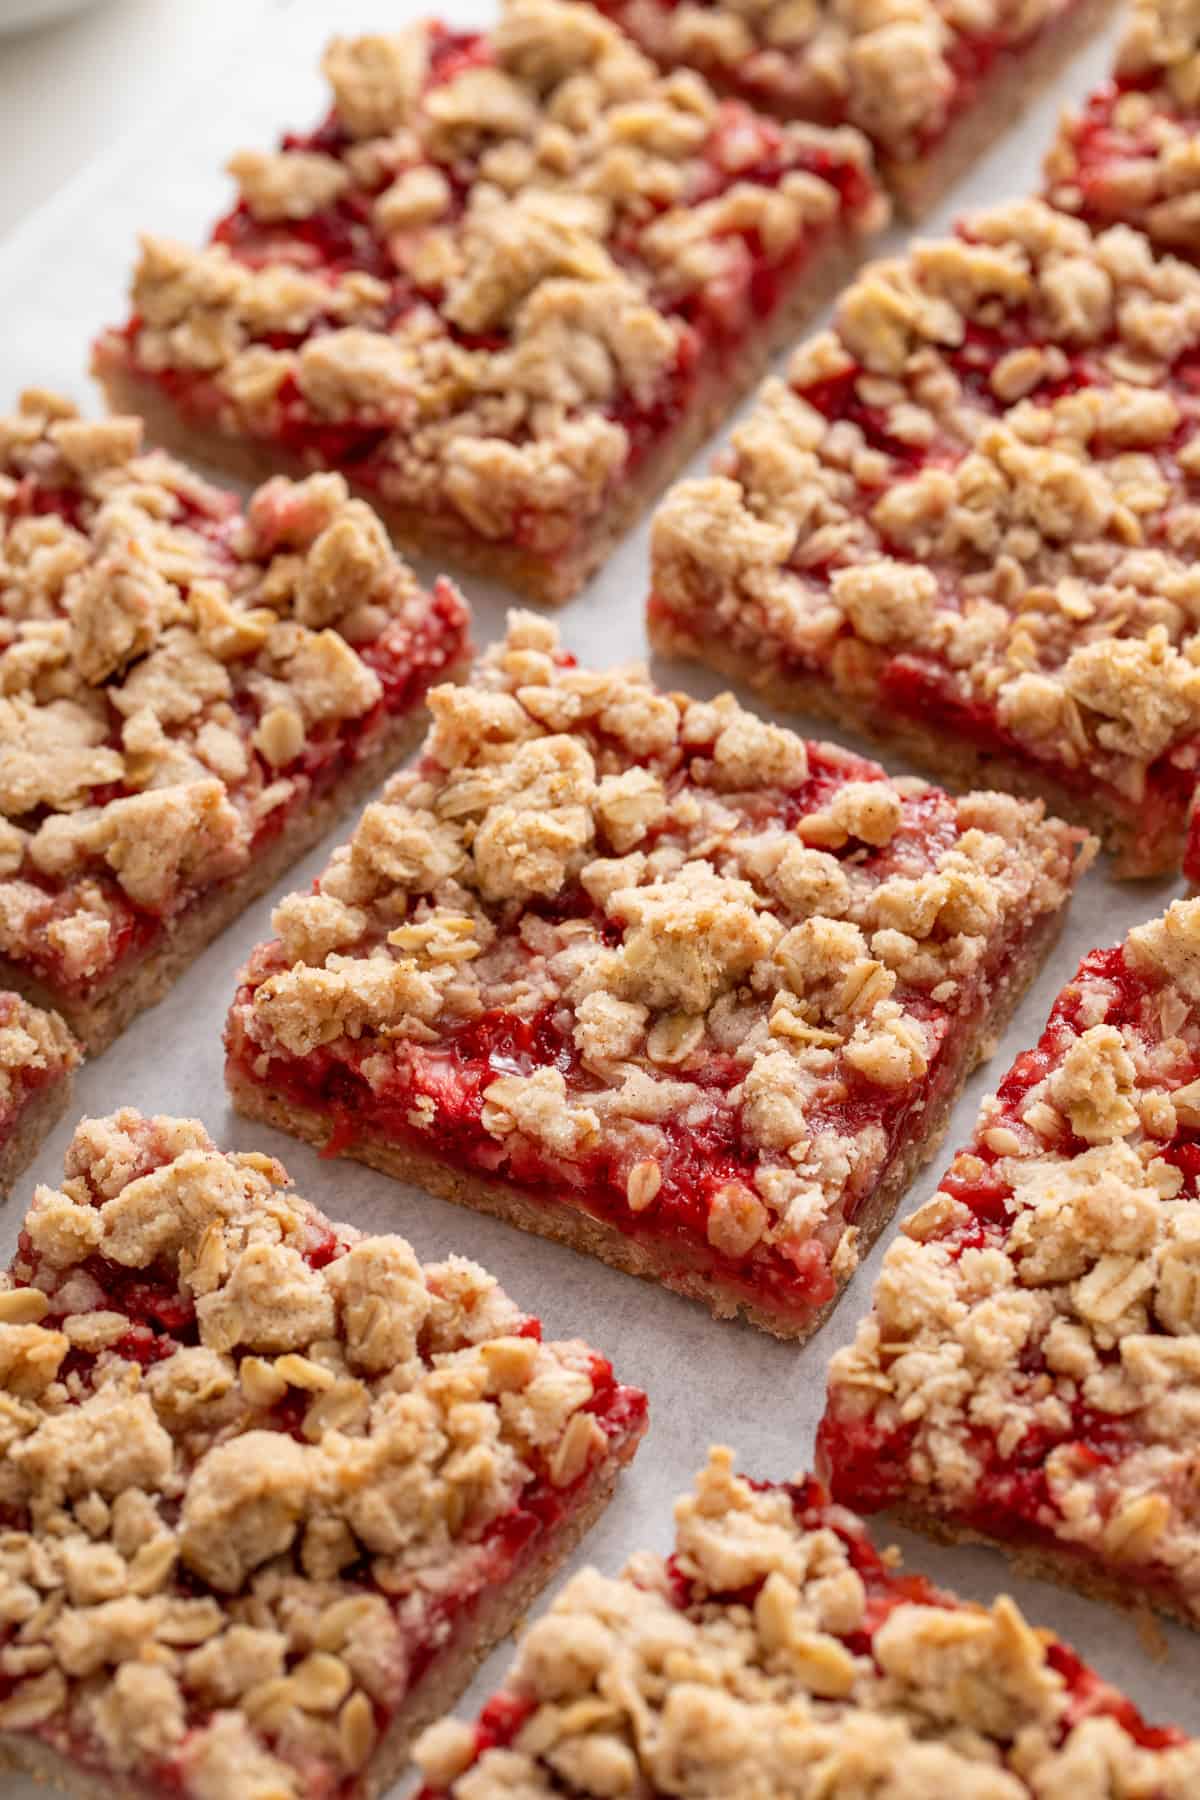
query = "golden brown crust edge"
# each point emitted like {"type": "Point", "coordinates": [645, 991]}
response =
{"type": "Point", "coordinates": [959, 764]}
{"type": "Point", "coordinates": [35, 1121]}
{"type": "Point", "coordinates": [550, 581]}
{"type": "Point", "coordinates": [497, 1617]}
{"type": "Point", "coordinates": [564, 1224]}
{"type": "Point", "coordinates": [1060, 1568]}
{"type": "Point", "coordinates": [98, 1021]}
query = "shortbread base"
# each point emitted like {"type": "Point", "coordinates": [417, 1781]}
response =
{"type": "Point", "coordinates": [35, 1120]}
{"type": "Point", "coordinates": [498, 1614]}
{"type": "Point", "coordinates": [551, 579]}
{"type": "Point", "coordinates": [1125, 1592]}
{"type": "Point", "coordinates": [546, 1216]}
{"type": "Point", "coordinates": [954, 760]}
{"type": "Point", "coordinates": [106, 1012]}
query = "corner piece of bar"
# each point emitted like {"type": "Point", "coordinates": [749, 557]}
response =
{"type": "Point", "coordinates": [651, 977]}
{"type": "Point", "coordinates": [271, 1488]}
{"type": "Point", "coordinates": [776, 1653]}
{"type": "Point", "coordinates": [1030, 1372]}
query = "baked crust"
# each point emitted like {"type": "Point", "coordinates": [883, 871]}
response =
{"type": "Point", "coordinates": [948, 513]}
{"type": "Point", "coordinates": [518, 277]}
{"type": "Point", "coordinates": [38, 1057]}
{"type": "Point", "coordinates": [600, 942]}
{"type": "Point", "coordinates": [1054, 1270]}
{"type": "Point", "coordinates": [777, 1650]}
{"type": "Point", "coordinates": [191, 692]}
{"type": "Point", "coordinates": [552, 582]}
{"type": "Point", "coordinates": [314, 1468]}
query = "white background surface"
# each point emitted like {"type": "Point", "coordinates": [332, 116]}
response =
{"type": "Point", "coordinates": [62, 275]}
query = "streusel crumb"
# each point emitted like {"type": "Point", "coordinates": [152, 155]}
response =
{"type": "Point", "coordinates": [776, 1653]}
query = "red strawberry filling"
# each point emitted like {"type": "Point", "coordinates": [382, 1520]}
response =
{"type": "Point", "coordinates": [815, 1509]}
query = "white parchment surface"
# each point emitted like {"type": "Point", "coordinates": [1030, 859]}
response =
{"type": "Point", "coordinates": [62, 276]}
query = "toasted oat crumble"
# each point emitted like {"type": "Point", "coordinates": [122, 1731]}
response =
{"type": "Point", "coordinates": [973, 502]}
{"type": "Point", "coordinates": [499, 261]}
{"type": "Point", "coordinates": [893, 68]}
{"type": "Point", "coordinates": [174, 676]}
{"type": "Point", "coordinates": [251, 1465]}
{"type": "Point", "coordinates": [1131, 153]}
{"type": "Point", "coordinates": [700, 930]}
{"type": "Point", "coordinates": [774, 1657]}
{"type": "Point", "coordinates": [1042, 1312]}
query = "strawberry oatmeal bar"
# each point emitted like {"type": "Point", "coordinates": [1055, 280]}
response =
{"type": "Point", "coordinates": [189, 695]}
{"type": "Point", "coordinates": [38, 1056]}
{"type": "Point", "coordinates": [506, 288]}
{"type": "Point", "coordinates": [1132, 154]}
{"type": "Point", "coordinates": [931, 83]}
{"type": "Point", "coordinates": [270, 1488]}
{"type": "Point", "coordinates": [1030, 1375]}
{"type": "Point", "coordinates": [968, 523]}
{"type": "Point", "coordinates": [776, 1655]}
{"type": "Point", "coordinates": [651, 977]}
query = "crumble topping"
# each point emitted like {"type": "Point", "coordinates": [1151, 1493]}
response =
{"type": "Point", "coordinates": [493, 266]}
{"type": "Point", "coordinates": [35, 1048]}
{"type": "Point", "coordinates": [893, 68]}
{"type": "Point", "coordinates": [250, 1460]}
{"type": "Point", "coordinates": [1042, 1311]}
{"type": "Point", "coordinates": [173, 675]}
{"type": "Point", "coordinates": [775, 1653]}
{"type": "Point", "coordinates": [694, 926]}
{"type": "Point", "coordinates": [974, 497]}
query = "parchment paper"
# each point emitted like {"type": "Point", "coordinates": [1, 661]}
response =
{"type": "Point", "coordinates": [62, 276]}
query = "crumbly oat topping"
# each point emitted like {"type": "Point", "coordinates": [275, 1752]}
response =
{"type": "Point", "coordinates": [672, 951]}
{"type": "Point", "coordinates": [174, 676]}
{"type": "Point", "coordinates": [1033, 1355]}
{"type": "Point", "coordinates": [973, 499]}
{"type": "Point", "coordinates": [494, 267]}
{"type": "Point", "coordinates": [775, 1655]}
{"type": "Point", "coordinates": [253, 1463]}
{"type": "Point", "coordinates": [893, 68]}
{"type": "Point", "coordinates": [1132, 153]}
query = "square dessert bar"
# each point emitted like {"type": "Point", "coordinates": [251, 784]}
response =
{"type": "Point", "coordinates": [649, 976]}
{"type": "Point", "coordinates": [1131, 154]}
{"type": "Point", "coordinates": [776, 1655]}
{"type": "Point", "coordinates": [1030, 1374]}
{"type": "Point", "coordinates": [270, 1488]}
{"type": "Point", "coordinates": [931, 84]}
{"type": "Point", "coordinates": [968, 522]}
{"type": "Point", "coordinates": [189, 695]}
{"type": "Point", "coordinates": [38, 1056]}
{"type": "Point", "coordinates": [507, 287]}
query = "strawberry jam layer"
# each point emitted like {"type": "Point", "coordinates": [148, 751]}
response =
{"type": "Point", "coordinates": [866, 1459]}
{"type": "Point", "coordinates": [885, 1589]}
{"type": "Point", "coordinates": [432, 1102]}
